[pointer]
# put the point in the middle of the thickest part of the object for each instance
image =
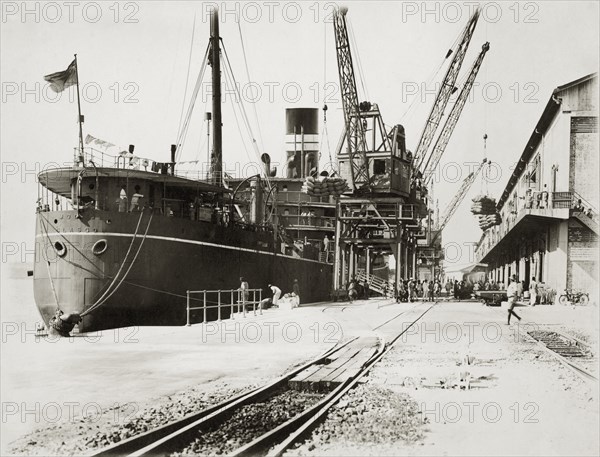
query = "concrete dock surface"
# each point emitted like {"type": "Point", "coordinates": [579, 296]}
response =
{"type": "Point", "coordinates": [48, 381]}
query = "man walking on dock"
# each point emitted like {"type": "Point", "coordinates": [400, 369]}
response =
{"type": "Point", "coordinates": [512, 293]}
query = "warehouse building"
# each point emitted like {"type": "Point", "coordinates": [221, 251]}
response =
{"type": "Point", "coordinates": [549, 207]}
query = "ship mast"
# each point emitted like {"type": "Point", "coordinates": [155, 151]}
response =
{"type": "Point", "coordinates": [215, 62]}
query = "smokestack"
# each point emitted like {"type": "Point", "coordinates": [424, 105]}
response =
{"type": "Point", "coordinates": [131, 148]}
{"type": "Point", "coordinates": [173, 151]}
{"type": "Point", "coordinates": [266, 160]}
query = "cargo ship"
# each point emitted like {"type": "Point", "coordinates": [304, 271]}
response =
{"type": "Point", "coordinates": [119, 240]}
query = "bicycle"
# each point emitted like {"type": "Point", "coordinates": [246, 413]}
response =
{"type": "Point", "coordinates": [581, 298]}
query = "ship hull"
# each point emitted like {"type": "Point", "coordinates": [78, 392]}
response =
{"type": "Point", "coordinates": [173, 257]}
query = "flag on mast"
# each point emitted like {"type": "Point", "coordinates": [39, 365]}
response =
{"type": "Point", "coordinates": [60, 80]}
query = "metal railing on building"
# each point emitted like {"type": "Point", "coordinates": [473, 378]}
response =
{"type": "Point", "coordinates": [233, 301]}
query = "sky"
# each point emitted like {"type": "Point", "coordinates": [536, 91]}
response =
{"type": "Point", "coordinates": [136, 57]}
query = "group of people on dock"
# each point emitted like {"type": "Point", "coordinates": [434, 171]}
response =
{"type": "Point", "coordinates": [409, 290]}
{"type": "Point", "coordinates": [276, 291]}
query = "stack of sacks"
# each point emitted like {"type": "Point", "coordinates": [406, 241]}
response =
{"type": "Point", "coordinates": [483, 205]}
{"type": "Point", "coordinates": [324, 186]}
{"type": "Point", "coordinates": [488, 221]}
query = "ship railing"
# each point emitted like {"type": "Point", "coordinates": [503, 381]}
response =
{"type": "Point", "coordinates": [234, 301]}
{"type": "Point", "coordinates": [307, 220]}
{"type": "Point", "coordinates": [128, 161]}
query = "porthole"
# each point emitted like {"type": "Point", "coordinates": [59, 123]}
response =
{"type": "Point", "coordinates": [60, 248]}
{"type": "Point", "coordinates": [99, 247]}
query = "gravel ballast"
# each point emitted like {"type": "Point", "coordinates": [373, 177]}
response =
{"type": "Point", "coordinates": [116, 424]}
{"type": "Point", "coordinates": [365, 422]}
{"type": "Point", "coordinates": [250, 422]}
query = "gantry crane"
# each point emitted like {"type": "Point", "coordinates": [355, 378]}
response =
{"type": "Point", "coordinates": [430, 165]}
{"type": "Point", "coordinates": [446, 90]}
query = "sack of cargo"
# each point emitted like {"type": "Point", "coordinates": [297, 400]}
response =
{"type": "Point", "coordinates": [484, 199]}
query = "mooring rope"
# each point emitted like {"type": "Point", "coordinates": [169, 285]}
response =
{"type": "Point", "coordinates": [110, 292]}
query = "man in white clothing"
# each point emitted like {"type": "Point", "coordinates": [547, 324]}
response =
{"type": "Point", "coordinates": [533, 291]}
{"type": "Point", "coordinates": [276, 293]}
{"type": "Point", "coordinates": [512, 293]}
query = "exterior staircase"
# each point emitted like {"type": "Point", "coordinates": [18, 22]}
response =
{"type": "Point", "coordinates": [589, 217]}
{"type": "Point", "coordinates": [586, 220]}
{"type": "Point", "coordinates": [381, 286]}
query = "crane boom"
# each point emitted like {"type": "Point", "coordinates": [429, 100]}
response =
{"type": "Point", "coordinates": [446, 90]}
{"type": "Point", "coordinates": [451, 121]}
{"type": "Point", "coordinates": [355, 130]}
{"type": "Point", "coordinates": [457, 199]}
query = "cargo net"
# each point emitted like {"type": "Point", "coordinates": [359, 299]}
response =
{"type": "Point", "coordinates": [324, 186]}
{"type": "Point", "coordinates": [483, 205]}
{"type": "Point", "coordinates": [489, 220]}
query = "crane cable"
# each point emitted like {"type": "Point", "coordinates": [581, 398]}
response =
{"type": "Point", "coordinates": [324, 132]}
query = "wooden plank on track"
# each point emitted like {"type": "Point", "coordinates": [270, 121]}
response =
{"type": "Point", "coordinates": [348, 370]}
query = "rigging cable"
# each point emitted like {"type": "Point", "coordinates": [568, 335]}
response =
{"type": "Point", "coordinates": [243, 112]}
{"type": "Point", "coordinates": [183, 133]}
{"type": "Point", "coordinates": [235, 115]}
{"type": "Point", "coordinates": [257, 119]}
{"type": "Point", "coordinates": [187, 79]}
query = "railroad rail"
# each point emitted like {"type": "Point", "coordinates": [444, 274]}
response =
{"type": "Point", "coordinates": [565, 349]}
{"type": "Point", "coordinates": [176, 436]}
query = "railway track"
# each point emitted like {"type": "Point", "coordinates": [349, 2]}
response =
{"type": "Point", "coordinates": [570, 351]}
{"type": "Point", "coordinates": [269, 419]}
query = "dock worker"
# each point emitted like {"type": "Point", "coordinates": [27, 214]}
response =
{"type": "Point", "coordinates": [533, 291]}
{"type": "Point", "coordinates": [276, 293]}
{"type": "Point", "coordinates": [296, 287]}
{"type": "Point", "coordinates": [512, 293]}
{"type": "Point", "coordinates": [243, 290]}
{"type": "Point", "coordinates": [352, 292]}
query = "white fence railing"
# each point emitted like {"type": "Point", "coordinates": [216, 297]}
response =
{"type": "Point", "coordinates": [235, 301]}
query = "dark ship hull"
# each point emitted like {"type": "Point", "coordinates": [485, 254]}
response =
{"type": "Point", "coordinates": [175, 255]}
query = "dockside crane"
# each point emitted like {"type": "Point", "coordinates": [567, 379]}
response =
{"type": "Point", "coordinates": [457, 199]}
{"type": "Point", "coordinates": [355, 129]}
{"type": "Point", "coordinates": [446, 90]}
{"type": "Point", "coordinates": [430, 165]}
